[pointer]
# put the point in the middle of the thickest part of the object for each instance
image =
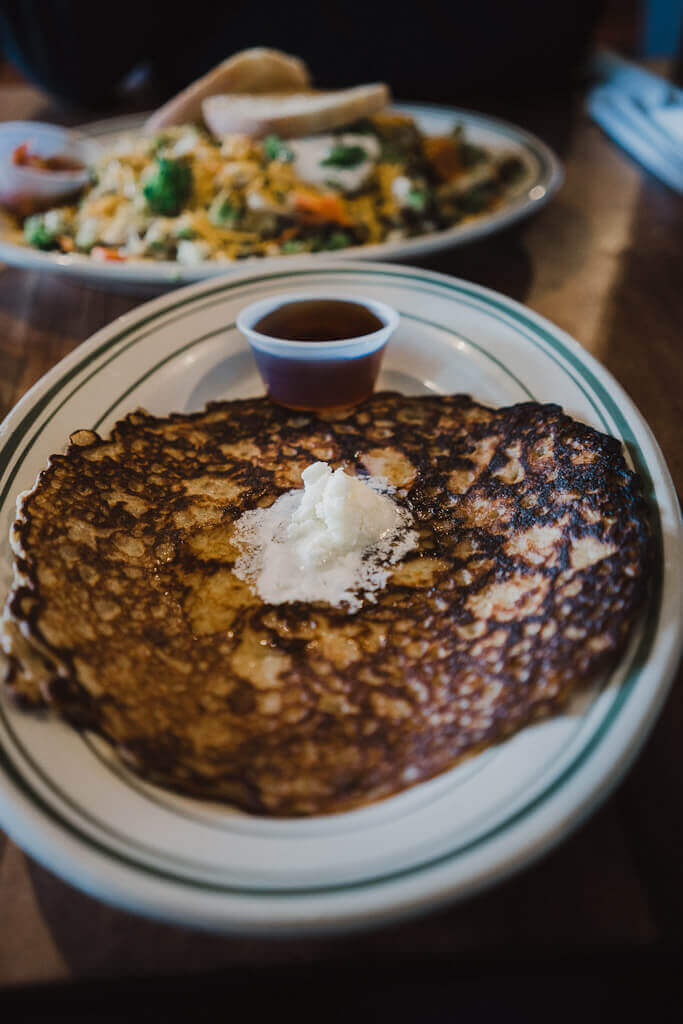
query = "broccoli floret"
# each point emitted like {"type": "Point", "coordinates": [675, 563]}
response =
{"type": "Point", "coordinates": [168, 187]}
{"type": "Point", "coordinates": [183, 227]}
{"type": "Point", "coordinates": [275, 149]}
{"type": "Point", "coordinates": [37, 233]}
{"type": "Point", "coordinates": [418, 199]}
{"type": "Point", "coordinates": [293, 245]}
{"type": "Point", "coordinates": [339, 240]}
{"type": "Point", "coordinates": [223, 213]}
{"type": "Point", "coordinates": [335, 240]}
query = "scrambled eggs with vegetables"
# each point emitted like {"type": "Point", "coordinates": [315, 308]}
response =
{"type": "Point", "coordinates": [185, 196]}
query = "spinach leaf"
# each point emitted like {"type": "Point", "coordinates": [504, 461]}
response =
{"type": "Point", "coordinates": [344, 156]}
{"type": "Point", "coordinates": [418, 200]}
{"type": "Point", "coordinates": [276, 149]}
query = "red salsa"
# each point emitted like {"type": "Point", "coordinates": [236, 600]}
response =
{"type": "Point", "coordinates": [21, 157]}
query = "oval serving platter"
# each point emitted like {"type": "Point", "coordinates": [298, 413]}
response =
{"type": "Point", "coordinates": [71, 804]}
{"type": "Point", "coordinates": [542, 178]}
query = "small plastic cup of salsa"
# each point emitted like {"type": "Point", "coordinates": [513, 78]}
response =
{"type": "Point", "coordinates": [41, 165]}
{"type": "Point", "coordinates": [318, 351]}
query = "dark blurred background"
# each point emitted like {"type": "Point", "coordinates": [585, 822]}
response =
{"type": "Point", "coordinates": [511, 58]}
{"type": "Point", "coordinates": [141, 53]}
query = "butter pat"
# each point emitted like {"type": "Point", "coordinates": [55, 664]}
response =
{"type": "Point", "coordinates": [338, 513]}
{"type": "Point", "coordinates": [334, 541]}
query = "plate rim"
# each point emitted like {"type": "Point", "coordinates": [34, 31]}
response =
{"type": "Point", "coordinates": [393, 907]}
{"type": "Point", "coordinates": [167, 274]}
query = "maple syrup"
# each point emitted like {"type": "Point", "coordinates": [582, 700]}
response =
{"type": "Point", "coordinates": [319, 353]}
{"type": "Point", "coordinates": [319, 320]}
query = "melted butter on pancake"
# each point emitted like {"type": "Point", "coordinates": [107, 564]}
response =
{"type": "Point", "coordinates": [330, 542]}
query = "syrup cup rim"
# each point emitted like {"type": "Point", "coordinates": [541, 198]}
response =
{"type": "Point", "coordinates": [350, 348]}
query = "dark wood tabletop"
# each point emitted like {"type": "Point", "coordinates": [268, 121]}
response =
{"type": "Point", "coordinates": [602, 261]}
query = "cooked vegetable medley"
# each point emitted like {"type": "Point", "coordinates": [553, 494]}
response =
{"type": "Point", "coordinates": [185, 196]}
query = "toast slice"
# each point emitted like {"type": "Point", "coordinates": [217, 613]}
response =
{"type": "Point", "coordinates": [253, 71]}
{"type": "Point", "coordinates": [292, 114]}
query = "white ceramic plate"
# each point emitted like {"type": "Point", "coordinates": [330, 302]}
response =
{"type": "Point", "coordinates": [66, 800]}
{"type": "Point", "coordinates": [541, 180]}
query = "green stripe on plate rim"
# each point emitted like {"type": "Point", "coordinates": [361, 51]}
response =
{"type": "Point", "coordinates": [484, 301]}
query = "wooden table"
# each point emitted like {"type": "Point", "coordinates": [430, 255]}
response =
{"type": "Point", "coordinates": [603, 261]}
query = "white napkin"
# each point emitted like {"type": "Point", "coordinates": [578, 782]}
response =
{"type": "Point", "coordinates": [641, 112]}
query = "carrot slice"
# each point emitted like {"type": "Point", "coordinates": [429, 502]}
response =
{"type": "Point", "coordinates": [100, 252]}
{"type": "Point", "coordinates": [320, 208]}
{"type": "Point", "coordinates": [444, 155]}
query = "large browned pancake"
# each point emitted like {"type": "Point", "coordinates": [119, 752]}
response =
{"type": "Point", "coordinates": [126, 618]}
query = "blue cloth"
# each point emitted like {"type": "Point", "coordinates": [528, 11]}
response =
{"type": "Point", "coordinates": [643, 113]}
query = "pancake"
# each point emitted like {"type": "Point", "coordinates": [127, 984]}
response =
{"type": "Point", "coordinates": [126, 618]}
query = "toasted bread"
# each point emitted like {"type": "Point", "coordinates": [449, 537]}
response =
{"type": "Point", "coordinates": [253, 71]}
{"type": "Point", "coordinates": [292, 114]}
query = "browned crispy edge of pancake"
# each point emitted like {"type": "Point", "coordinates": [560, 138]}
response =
{"type": "Point", "coordinates": [73, 702]}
